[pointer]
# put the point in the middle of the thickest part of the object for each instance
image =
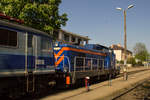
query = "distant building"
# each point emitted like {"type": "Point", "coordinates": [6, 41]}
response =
{"type": "Point", "coordinates": [119, 51]}
{"type": "Point", "coordinates": [70, 38]}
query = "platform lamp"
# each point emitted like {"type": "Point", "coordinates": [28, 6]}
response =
{"type": "Point", "coordinates": [125, 33]}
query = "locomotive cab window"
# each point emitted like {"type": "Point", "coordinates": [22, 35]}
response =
{"type": "Point", "coordinates": [8, 38]}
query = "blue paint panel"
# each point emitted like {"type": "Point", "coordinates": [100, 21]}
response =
{"type": "Point", "coordinates": [31, 62]}
{"type": "Point", "coordinates": [48, 61]}
{"type": "Point", "coordinates": [107, 62]}
{"type": "Point", "coordinates": [11, 62]}
{"type": "Point", "coordinates": [17, 62]}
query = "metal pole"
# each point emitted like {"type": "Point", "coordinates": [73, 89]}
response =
{"type": "Point", "coordinates": [35, 51]}
{"type": "Point", "coordinates": [125, 46]}
{"type": "Point", "coordinates": [26, 60]}
{"type": "Point", "coordinates": [74, 73]}
{"type": "Point", "coordinates": [84, 63]}
{"type": "Point", "coordinates": [26, 53]}
{"type": "Point", "coordinates": [91, 64]}
{"type": "Point", "coordinates": [125, 40]}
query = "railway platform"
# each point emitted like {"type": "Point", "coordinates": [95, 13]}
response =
{"type": "Point", "coordinates": [102, 91]}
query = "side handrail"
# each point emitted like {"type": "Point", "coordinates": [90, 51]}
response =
{"type": "Point", "coordinates": [83, 68]}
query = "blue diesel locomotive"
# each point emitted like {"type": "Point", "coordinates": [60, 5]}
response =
{"type": "Point", "coordinates": [77, 62]}
{"type": "Point", "coordinates": [26, 58]}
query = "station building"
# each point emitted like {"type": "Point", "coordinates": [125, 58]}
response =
{"type": "Point", "coordinates": [71, 38]}
{"type": "Point", "coordinates": [119, 52]}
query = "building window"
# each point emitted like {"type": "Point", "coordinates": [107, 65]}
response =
{"type": "Point", "coordinates": [46, 43]}
{"type": "Point", "coordinates": [79, 41]}
{"type": "Point", "coordinates": [73, 39]}
{"type": "Point", "coordinates": [66, 37]}
{"type": "Point", "coordinates": [8, 38]}
{"type": "Point", "coordinates": [84, 42]}
{"type": "Point", "coordinates": [56, 34]}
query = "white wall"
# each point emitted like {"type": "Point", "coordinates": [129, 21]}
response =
{"type": "Point", "coordinates": [118, 54]}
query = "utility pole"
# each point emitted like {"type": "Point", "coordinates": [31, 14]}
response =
{"type": "Point", "coordinates": [125, 32]}
{"type": "Point", "coordinates": [125, 39]}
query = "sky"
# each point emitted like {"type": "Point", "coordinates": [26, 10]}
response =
{"type": "Point", "coordinates": [103, 24]}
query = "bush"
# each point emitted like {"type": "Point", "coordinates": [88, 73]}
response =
{"type": "Point", "coordinates": [131, 61]}
{"type": "Point", "coordinates": [139, 63]}
{"type": "Point", "coordinates": [121, 62]}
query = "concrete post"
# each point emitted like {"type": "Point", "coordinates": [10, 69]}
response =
{"type": "Point", "coordinates": [70, 38]}
{"type": "Point", "coordinates": [60, 35]}
{"type": "Point", "coordinates": [76, 40]}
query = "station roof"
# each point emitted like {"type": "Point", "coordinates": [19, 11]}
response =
{"type": "Point", "coordinates": [76, 35]}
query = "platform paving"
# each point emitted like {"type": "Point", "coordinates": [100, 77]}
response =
{"type": "Point", "coordinates": [102, 91]}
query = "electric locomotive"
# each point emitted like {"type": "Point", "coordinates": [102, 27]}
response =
{"type": "Point", "coordinates": [26, 58]}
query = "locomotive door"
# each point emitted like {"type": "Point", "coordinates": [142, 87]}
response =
{"type": "Point", "coordinates": [31, 52]}
{"type": "Point", "coordinates": [35, 52]}
{"type": "Point", "coordinates": [30, 60]}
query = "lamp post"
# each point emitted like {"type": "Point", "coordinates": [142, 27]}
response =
{"type": "Point", "coordinates": [125, 33]}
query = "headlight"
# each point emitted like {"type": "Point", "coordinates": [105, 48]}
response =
{"type": "Point", "coordinates": [56, 44]}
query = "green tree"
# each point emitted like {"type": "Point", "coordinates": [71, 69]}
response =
{"type": "Point", "coordinates": [140, 51]}
{"type": "Point", "coordinates": [131, 61]}
{"type": "Point", "coordinates": [40, 14]}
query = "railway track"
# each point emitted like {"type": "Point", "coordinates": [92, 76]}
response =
{"type": "Point", "coordinates": [53, 91]}
{"type": "Point", "coordinates": [132, 72]}
{"type": "Point", "coordinates": [123, 94]}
